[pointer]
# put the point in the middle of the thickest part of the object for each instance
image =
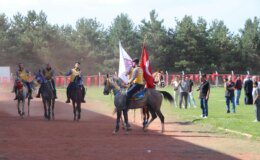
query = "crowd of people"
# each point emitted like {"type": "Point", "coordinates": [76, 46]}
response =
{"type": "Point", "coordinates": [183, 89]}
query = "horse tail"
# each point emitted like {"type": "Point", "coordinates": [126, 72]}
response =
{"type": "Point", "coordinates": [167, 96]}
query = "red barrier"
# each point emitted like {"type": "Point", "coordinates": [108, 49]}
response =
{"type": "Point", "coordinates": [67, 80]}
{"type": "Point", "coordinates": [88, 79]}
{"type": "Point", "coordinates": [57, 81]}
{"type": "Point", "coordinates": [96, 80]}
{"type": "Point", "coordinates": [61, 81]}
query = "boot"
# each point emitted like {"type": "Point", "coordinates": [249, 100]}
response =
{"type": "Point", "coordinates": [55, 94]}
{"type": "Point", "coordinates": [83, 101]}
{"type": "Point", "coordinates": [38, 95]}
{"type": "Point", "coordinates": [15, 97]}
{"type": "Point", "coordinates": [68, 100]}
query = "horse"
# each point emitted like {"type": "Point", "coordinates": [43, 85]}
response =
{"type": "Point", "coordinates": [48, 98]}
{"type": "Point", "coordinates": [22, 95]}
{"type": "Point", "coordinates": [76, 97]}
{"type": "Point", "coordinates": [152, 100]}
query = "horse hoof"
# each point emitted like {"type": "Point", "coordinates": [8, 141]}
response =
{"type": "Point", "coordinates": [115, 131]}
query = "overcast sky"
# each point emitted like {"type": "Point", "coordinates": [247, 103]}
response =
{"type": "Point", "coordinates": [233, 12]}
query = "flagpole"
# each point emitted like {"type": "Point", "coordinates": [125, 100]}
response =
{"type": "Point", "coordinates": [143, 46]}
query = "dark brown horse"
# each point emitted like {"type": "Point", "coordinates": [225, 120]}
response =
{"type": "Point", "coordinates": [152, 100]}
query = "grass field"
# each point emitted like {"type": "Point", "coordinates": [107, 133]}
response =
{"type": "Point", "coordinates": [218, 120]}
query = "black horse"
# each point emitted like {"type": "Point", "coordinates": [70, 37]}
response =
{"type": "Point", "coordinates": [75, 95]}
{"type": "Point", "coordinates": [48, 96]}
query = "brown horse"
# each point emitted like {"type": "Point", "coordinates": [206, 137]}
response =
{"type": "Point", "coordinates": [152, 99]}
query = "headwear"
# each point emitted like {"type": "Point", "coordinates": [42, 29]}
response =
{"type": "Point", "coordinates": [78, 62]}
{"type": "Point", "coordinates": [136, 60]}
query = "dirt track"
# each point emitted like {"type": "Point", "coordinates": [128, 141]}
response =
{"type": "Point", "coordinates": [33, 138]}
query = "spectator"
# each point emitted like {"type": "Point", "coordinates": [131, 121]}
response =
{"type": "Point", "coordinates": [238, 87]}
{"type": "Point", "coordinates": [255, 81]}
{"type": "Point", "coordinates": [204, 89]}
{"type": "Point", "coordinates": [256, 101]}
{"type": "Point", "coordinates": [176, 90]}
{"type": "Point", "coordinates": [184, 91]}
{"type": "Point", "coordinates": [230, 95]}
{"type": "Point", "coordinates": [248, 88]}
{"type": "Point", "coordinates": [191, 99]}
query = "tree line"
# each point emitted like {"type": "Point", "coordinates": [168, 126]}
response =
{"type": "Point", "coordinates": [190, 46]}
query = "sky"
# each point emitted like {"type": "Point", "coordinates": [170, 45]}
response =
{"type": "Point", "coordinates": [234, 13]}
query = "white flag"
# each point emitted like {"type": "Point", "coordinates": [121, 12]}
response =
{"type": "Point", "coordinates": [125, 63]}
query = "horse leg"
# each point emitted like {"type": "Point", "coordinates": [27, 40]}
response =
{"type": "Point", "coordinates": [23, 107]}
{"type": "Point", "coordinates": [160, 115]}
{"type": "Point", "coordinates": [127, 126]}
{"type": "Point", "coordinates": [18, 107]}
{"type": "Point", "coordinates": [49, 109]}
{"type": "Point", "coordinates": [45, 109]}
{"type": "Point", "coordinates": [28, 107]}
{"type": "Point", "coordinates": [154, 116]}
{"type": "Point", "coordinates": [118, 112]}
{"type": "Point", "coordinates": [52, 106]}
{"type": "Point", "coordinates": [79, 110]}
{"type": "Point", "coordinates": [74, 110]}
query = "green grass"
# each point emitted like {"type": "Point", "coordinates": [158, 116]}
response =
{"type": "Point", "coordinates": [241, 121]}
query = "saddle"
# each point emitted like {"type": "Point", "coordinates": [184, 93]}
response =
{"type": "Point", "coordinates": [138, 95]}
{"type": "Point", "coordinates": [19, 85]}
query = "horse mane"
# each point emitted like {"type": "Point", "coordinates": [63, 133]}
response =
{"type": "Point", "coordinates": [113, 81]}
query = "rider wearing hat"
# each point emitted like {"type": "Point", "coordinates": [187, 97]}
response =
{"type": "Point", "coordinates": [73, 73]}
{"type": "Point", "coordinates": [48, 74]}
{"type": "Point", "coordinates": [136, 80]}
{"type": "Point", "coordinates": [23, 75]}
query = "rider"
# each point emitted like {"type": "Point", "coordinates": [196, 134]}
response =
{"type": "Point", "coordinates": [136, 80]}
{"type": "Point", "coordinates": [23, 75]}
{"type": "Point", "coordinates": [48, 74]}
{"type": "Point", "coordinates": [73, 73]}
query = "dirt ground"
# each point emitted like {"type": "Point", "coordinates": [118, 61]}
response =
{"type": "Point", "coordinates": [33, 138]}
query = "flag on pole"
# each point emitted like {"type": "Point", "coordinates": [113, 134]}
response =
{"type": "Point", "coordinates": [125, 63]}
{"type": "Point", "coordinates": [147, 70]}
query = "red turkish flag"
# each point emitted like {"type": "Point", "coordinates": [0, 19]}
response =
{"type": "Point", "coordinates": [147, 70]}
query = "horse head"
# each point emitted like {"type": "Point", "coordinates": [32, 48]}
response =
{"type": "Point", "coordinates": [39, 77]}
{"type": "Point", "coordinates": [78, 80]}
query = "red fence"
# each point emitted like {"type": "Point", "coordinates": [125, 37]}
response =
{"type": "Point", "coordinates": [98, 80]}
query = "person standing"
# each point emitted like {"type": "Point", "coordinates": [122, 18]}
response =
{"type": "Point", "coordinates": [256, 101]}
{"type": "Point", "coordinates": [184, 91]}
{"type": "Point", "coordinates": [191, 99]}
{"type": "Point", "coordinates": [176, 90]}
{"type": "Point", "coordinates": [238, 87]}
{"type": "Point", "coordinates": [204, 89]}
{"type": "Point", "coordinates": [248, 88]}
{"type": "Point", "coordinates": [230, 95]}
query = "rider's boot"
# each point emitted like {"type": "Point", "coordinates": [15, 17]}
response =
{"type": "Point", "coordinates": [55, 94]}
{"type": "Point", "coordinates": [15, 94]}
{"type": "Point", "coordinates": [68, 100]}
{"type": "Point", "coordinates": [38, 95]}
{"type": "Point", "coordinates": [15, 97]}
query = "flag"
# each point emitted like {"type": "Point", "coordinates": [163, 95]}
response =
{"type": "Point", "coordinates": [147, 70]}
{"type": "Point", "coordinates": [125, 63]}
